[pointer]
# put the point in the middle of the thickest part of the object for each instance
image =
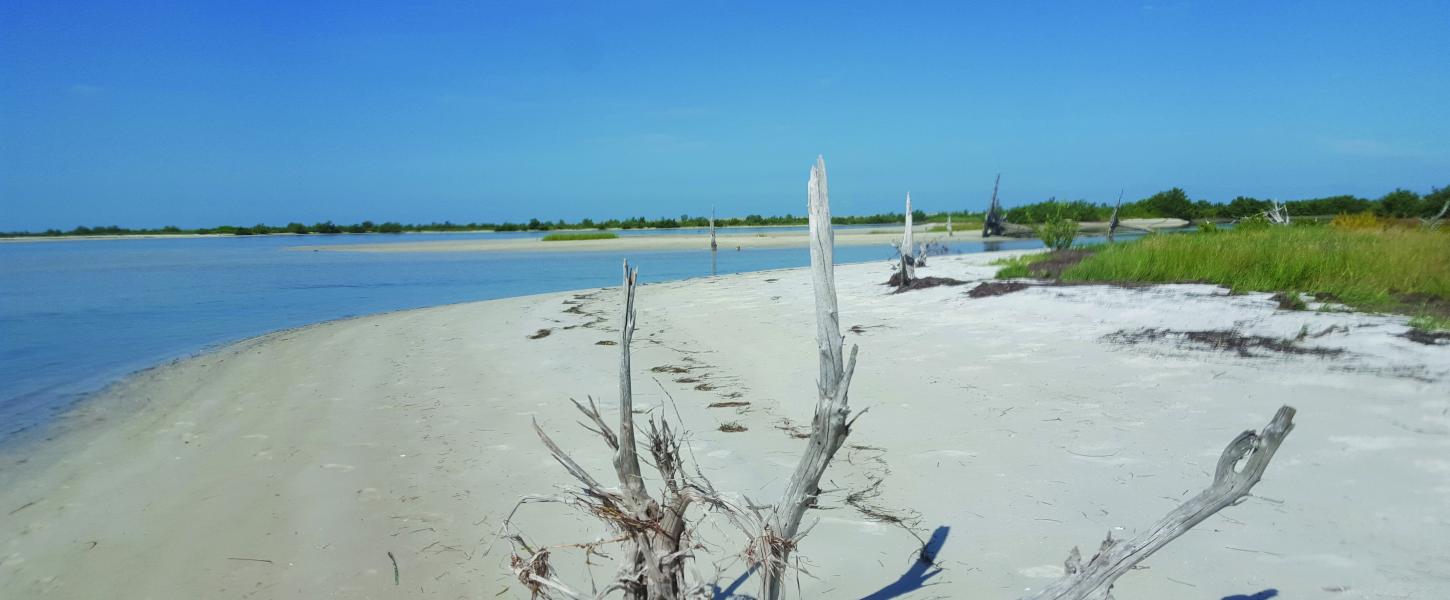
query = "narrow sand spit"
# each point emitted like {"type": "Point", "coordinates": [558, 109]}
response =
{"type": "Point", "coordinates": [728, 240]}
{"type": "Point", "coordinates": [301, 464]}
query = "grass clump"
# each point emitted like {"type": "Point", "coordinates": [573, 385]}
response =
{"type": "Point", "coordinates": [1396, 270]}
{"type": "Point", "coordinates": [1431, 323]}
{"type": "Point", "coordinates": [1018, 267]}
{"type": "Point", "coordinates": [575, 236]}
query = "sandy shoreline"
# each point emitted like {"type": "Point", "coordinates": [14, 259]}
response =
{"type": "Point", "coordinates": [290, 465]}
{"type": "Point", "coordinates": [883, 235]}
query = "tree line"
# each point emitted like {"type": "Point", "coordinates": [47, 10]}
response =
{"type": "Point", "coordinates": [1173, 203]}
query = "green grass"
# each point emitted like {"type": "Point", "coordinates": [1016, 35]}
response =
{"type": "Point", "coordinates": [576, 236]}
{"type": "Point", "coordinates": [1017, 266]}
{"type": "Point", "coordinates": [1431, 323]}
{"type": "Point", "coordinates": [1396, 270]}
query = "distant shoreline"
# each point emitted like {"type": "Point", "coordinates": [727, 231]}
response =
{"type": "Point", "coordinates": [856, 236]}
{"type": "Point", "coordinates": [157, 236]}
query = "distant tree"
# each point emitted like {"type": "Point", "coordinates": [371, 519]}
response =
{"type": "Point", "coordinates": [390, 227]}
{"type": "Point", "coordinates": [1172, 203]}
{"type": "Point", "coordinates": [1399, 203]}
{"type": "Point", "coordinates": [295, 227]}
{"type": "Point", "coordinates": [326, 227]}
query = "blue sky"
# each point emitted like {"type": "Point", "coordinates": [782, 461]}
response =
{"type": "Point", "coordinates": [197, 114]}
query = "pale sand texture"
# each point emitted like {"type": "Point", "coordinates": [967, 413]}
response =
{"type": "Point", "coordinates": [727, 240]}
{"type": "Point", "coordinates": [1009, 419]}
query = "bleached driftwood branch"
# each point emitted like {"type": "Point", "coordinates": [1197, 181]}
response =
{"type": "Point", "coordinates": [1113, 221]}
{"type": "Point", "coordinates": [830, 426]}
{"type": "Point", "coordinates": [908, 244]}
{"type": "Point", "coordinates": [1230, 486]}
{"type": "Point", "coordinates": [1433, 223]}
{"type": "Point", "coordinates": [1278, 214]}
{"type": "Point", "coordinates": [949, 224]}
{"type": "Point", "coordinates": [713, 247]}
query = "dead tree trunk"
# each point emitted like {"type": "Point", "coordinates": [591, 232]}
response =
{"type": "Point", "coordinates": [830, 427]}
{"type": "Point", "coordinates": [949, 224]}
{"type": "Point", "coordinates": [907, 242]}
{"type": "Point", "coordinates": [713, 247]}
{"type": "Point", "coordinates": [995, 223]}
{"type": "Point", "coordinates": [1113, 220]}
{"type": "Point", "coordinates": [1230, 485]}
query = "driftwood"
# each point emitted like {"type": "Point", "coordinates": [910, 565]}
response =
{"type": "Point", "coordinates": [653, 531]}
{"type": "Point", "coordinates": [1113, 221]}
{"type": "Point", "coordinates": [949, 224]}
{"type": "Point", "coordinates": [1433, 223]}
{"type": "Point", "coordinates": [1230, 486]}
{"type": "Point", "coordinates": [830, 426]}
{"type": "Point", "coordinates": [1278, 214]}
{"type": "Point", "coordinates": [713, 247]}
{"type": "Point", "coordinates": [995, 222]}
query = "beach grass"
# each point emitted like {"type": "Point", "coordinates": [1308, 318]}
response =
{"type": "Point", "coordinates": [574, 236]}
{"type": "Point", "coordinates": [1018, 267]}
{"type": "Point", "coordinates": [1395, 269]}
{"type": "Point", "coordinates": [1428, 322]}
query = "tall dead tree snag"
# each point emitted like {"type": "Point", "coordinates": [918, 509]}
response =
{"type": "Point", "coordinates": [1231, 484]}
{"type": "Point", "coordinates": [995, 222]}
{"type": "Point", "coordinates": [1113, 221]}
{"type": "Point", "coordinates": [830, 426]}
{"type": "Point", "coordinates": [713, 247]}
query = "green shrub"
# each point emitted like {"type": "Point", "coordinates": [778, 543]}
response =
{"type": "Point", "coordinates": [1208, 227]}
{"type": "Point", "coordinates": [580, 235]}
{"type": "Point", "coordinates": [1057, 233]}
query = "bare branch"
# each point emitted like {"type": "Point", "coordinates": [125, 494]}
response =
{"type": "Point", "coordinates": [1230, 485]}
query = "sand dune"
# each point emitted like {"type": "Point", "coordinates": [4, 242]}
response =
{"type": "Point", "coordinates": [291, 465]}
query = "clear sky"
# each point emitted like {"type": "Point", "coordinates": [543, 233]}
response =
{"type": "Point", "coordinates": [199, 114]}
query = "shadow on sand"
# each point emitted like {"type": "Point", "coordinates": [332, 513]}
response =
{"type": "Point", "coordinates": [915, 577]}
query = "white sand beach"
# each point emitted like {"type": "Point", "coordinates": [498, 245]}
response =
{"type": "Point", "coordinates": [294, 465]}
{"type": "Point", "coordinates": [728, 240]}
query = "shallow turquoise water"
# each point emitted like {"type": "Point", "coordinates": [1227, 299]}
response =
{"type": "Point", "coordinates": [77, 315]}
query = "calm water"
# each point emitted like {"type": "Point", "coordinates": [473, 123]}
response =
{"type": "Point", "coordinates": [77, 315]}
